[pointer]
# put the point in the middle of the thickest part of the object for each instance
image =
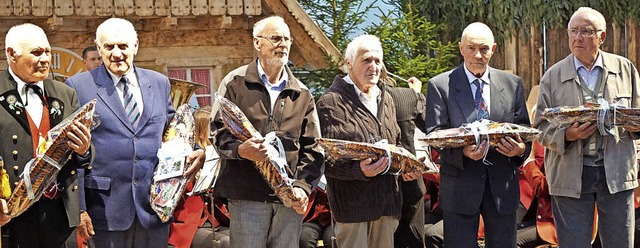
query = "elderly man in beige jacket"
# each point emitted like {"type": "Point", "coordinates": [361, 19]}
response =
{"type": "Point", "coordinates": [585, 167]}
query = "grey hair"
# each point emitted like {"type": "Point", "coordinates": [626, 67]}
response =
{"type": "Point", "coordinates": [260, 25]}
{"type": "Point", "coordinates": [478, 27]}
{"type": "Point", "coordinates": [591, 14]}
{"type": "Point", "coordinates": [116, 25]}
{"type": "Point", "coordinates": [19, 34]}
{"type": "Point", "coordinates": [354, 47]}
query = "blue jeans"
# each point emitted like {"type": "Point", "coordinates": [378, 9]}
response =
{"type": "Point", "coordinates": [259, 224]}
{"type": "Point", "coordinates": [574, 217]}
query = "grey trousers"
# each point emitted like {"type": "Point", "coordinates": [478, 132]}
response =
{"type": "Point", "coordinates": [134, 237]}
{"type": "Point", "coordinates": [574, 217]}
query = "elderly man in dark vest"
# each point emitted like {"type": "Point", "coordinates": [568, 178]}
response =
{"type": "Point", "coordinates": [31, 105]}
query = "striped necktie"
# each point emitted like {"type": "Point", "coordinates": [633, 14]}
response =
{"type": "Point", "coordinates": [129, 102]}
{"type": "Point", "coordinates": [481, 105]}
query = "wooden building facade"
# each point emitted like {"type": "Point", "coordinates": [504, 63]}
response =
{"type": "Point", "coordinates": [526, 56]}
{"type": "Point", "coordinates": [194, 40]}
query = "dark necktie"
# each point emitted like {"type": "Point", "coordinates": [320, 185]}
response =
{"type": "Point", "coordinates": [481, 105]}
{"type": "Point", "coordinates": [36, 89]}
{"type": "Point", "coordinates": [129, 102]}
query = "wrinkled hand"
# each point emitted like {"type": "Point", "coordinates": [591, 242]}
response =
{"type": "Point", "coordinates": [370, 169]}
{"type": "Point", "coordinates": [415, 84]}
{"type": "Point", "coordinates": [85, 227]}
{"type": "Point", "coordinates": [579, 131]}
{"type": "Point", "coordinates": [511, 147]}
{"type": "Point", "coordinates": [476, 154]}
{"type": "Point", "coordinates": [79, 138]}
{"type": "Point", "coordinates": [196, 161]}
{"type": "Point", "coordinates": [253, 149]}
{"type": "Point", "coordinates": [4, 212]}
{"type": "Point", "coordinates": [300, 206]}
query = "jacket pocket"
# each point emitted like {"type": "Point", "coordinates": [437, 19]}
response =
{"type": "Point", "coordinates": [623, 98]}
{"type": "Point", "coordinates": [96, 182]}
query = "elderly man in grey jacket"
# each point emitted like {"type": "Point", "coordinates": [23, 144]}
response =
{"type": "Point", "coordinates": [583, 166]}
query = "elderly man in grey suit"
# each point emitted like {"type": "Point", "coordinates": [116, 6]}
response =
{"type": "Point", "coordinates": [585, 167]}
{"type": "Point", "coordinates": [470, 184]}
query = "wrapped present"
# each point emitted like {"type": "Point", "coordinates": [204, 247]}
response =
{"type": "Point", "coordinates": [476, 132]}
{"type": "Point", "coordinates": [402, 161]}
{"type": "Point", "coordinates": [42, 170]}
{"type": "Point", "coordinates": [272, 170]}
{"type": "Point", "coordinates": [602, 113]}
{"type": "Point", "coordinates": [169, 182]}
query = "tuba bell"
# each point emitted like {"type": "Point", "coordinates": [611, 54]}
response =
{"type": "Point", "coordinates": [181, 91]}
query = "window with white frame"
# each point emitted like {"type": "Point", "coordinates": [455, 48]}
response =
{"type": "Point", "coordinates": [201, 75]}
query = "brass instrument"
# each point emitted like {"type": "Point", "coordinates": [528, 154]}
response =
{"type": "Point", "coordinates": [181, 91]}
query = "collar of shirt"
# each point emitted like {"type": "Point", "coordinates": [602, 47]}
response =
{"type": "Point", "coordinates": [265, 80]}
{"type": "Point", "coordinates": [20, 85]}
{"type": "Point", "coordinates": [579, 64]}
{"type": "Point", "coordinates": [471, 77]}
{"type": "Point", "coordinates": [374, 92]}
{"type": "Point", "coordinates": [130, 75]}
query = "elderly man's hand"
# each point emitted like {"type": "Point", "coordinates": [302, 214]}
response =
{"type": "Point", "coordinates": [195, 160]}
{"type": "Point", "coordinates": [411, 176]}
{"type": "Point", "coordinates": [253, 149]}
{"type": "Point", "coordinates": [79, 138]}
{"type": "Point", "coordinates": [415, 84]}
{"type": "Point", "coordinates": [300, 206]}
{"type": "Point", "coordinates": [579, 131]}
{"type": "Point", "coordinates": [511, 147]}
{"type": "Point", "coordinates": [370, 169]}
{"type": "Point", "coordinates": [476, 154]}
{"type": "Point", "coordinates": [4, 212]}
{"type": "Point", "coordinates": [85, 227]}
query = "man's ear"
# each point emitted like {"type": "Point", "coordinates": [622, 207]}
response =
{"type": "Point", "coordinates": [11, 54]}
{"type": "Point", "coordinates": [256, 43]}
{"type": "Point", "coordinates": [135, 47]}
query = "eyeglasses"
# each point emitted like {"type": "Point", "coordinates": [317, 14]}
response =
{"type": "Point", "coordinates": [276, 39]}
{"type": "Point", "coordinates": [585, 32]}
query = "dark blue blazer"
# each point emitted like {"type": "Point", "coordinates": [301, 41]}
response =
{"type": "Point", "coordinates": [118, 183]}
{"type": "Point", "coordinates": [449, 105]}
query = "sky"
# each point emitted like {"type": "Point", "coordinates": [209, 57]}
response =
{"type": "Point", "coordinates": [371, 17]}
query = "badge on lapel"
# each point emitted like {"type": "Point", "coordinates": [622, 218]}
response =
{"type": "Point", "coordinates": [14, 104]}
{"type": "Point", "coordinates": [56, 109]}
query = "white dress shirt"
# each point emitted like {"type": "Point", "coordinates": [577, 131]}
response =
{"type": "Point", "coordinates": [370, 100]}
{"type": "Point", "coordinates": [486, 89]}
{"type": "Point", "coordinates": [34, 109]}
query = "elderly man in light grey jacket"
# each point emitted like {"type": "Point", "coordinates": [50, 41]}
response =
{"type": "Point", "coordinates": [583, 166]}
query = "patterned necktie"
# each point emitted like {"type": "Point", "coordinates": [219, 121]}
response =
{"type": "Point", "coordinates": [129, 102]}
{"type": "Point", "coordinates": [481, 105]}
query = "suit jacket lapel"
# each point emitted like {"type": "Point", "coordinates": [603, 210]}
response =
{"type": "Point", "coordinates": [146, 89]}
{"type": "Point", "coordinates": [56, 106]}
{"type": "Point", "coordinates": [109, 95]}
{"type": "Point", "coordinates": [10, 100]}
{"type": "Point", "coordinates": [462, 94]}
{"type": "Point", "coordinates": [497, 97]}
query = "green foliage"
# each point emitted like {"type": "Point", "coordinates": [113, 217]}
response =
{"type": "Point", "coordinates": [338, 18]}
{"type": "Point", "coordinates": [506, 17]}
{"type": "Point", "coordinates": [410, 45]}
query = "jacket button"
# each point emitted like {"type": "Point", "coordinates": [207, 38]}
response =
{"type": "Point", "coordinates": [15, 137]}
{"type": "Point", "coordinates": [135, 138]}
{"type": "Point", "coordinates": [540, 205]}
{"type": "Point", "coordinates": [89, 167]}
{"type": "Point", "coordinates": [15, 152]}
{"type": "Point", "coordinates": [73, 172]}
{"type": "Point", "coordinates": [16, 167]}
{"type": "Point", "coordinates": [15, 183]}
{"type": "Point", "coordinates": [539, 217]}
{"type": "Point", "coordinates": [75, 187]}
{"type": "Point", "coordinates": [135, 181]}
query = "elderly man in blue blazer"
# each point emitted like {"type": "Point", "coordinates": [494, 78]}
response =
{"type": "Point", "coordinates": [134, 108]}
{"type": "Point", "coordinates": [469, 185]}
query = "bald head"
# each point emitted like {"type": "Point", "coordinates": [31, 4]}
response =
{"type": "Point", "coordinates": [477, 46]}
{"type": "Point", "coordinates": [477, 29]}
